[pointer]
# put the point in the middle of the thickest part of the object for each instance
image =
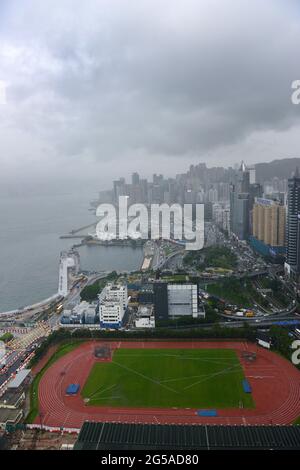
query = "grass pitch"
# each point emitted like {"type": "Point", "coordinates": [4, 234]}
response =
{"type": "Point", "coordinates": [166, 378]}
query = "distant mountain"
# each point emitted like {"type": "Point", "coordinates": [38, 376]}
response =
{"type": "Point", "coordinates": [280, 168]}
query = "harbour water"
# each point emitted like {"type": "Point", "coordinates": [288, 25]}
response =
{"type": "Point", "coordinates": [30, 246]}
{"type": "Point", "coordinates": [108, 258]}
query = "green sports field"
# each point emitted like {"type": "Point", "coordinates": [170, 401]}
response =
{"type": "Point", "coordinates": [183, 378]}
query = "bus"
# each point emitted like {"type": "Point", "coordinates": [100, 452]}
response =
{"type": "Point", "coordinates": [59, 309]}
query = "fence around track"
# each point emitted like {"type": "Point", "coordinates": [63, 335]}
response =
{"type": "Point", "coordinates": [52, 428]}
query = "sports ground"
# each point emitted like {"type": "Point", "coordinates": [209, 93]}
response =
{"type": "Point", "coordinates": [168, 378]}
{"type": "Point", "coordinates": [168, 382]}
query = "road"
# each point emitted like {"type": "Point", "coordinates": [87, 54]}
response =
{"type": "Point", "coordinates": [14, 365]}
{"type": "Point", "coordinates": [11, 370]}
{"type": "Point", "coordinates": [20, 346]}
{"type": "Point", "coordinates": [232, 324]}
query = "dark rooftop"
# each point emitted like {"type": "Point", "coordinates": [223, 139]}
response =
{"type": "Point", "coordinates": [11, 398]}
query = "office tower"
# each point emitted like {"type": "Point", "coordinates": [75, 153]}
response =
{"type": "Point", "coordinates": [255, 191]}
{"type": "Point", "coordinates": [213, 195]}
{"type": "Point", "coordinates": [252, 174]}
{"type": "Point", "coordinates": [240, 204]}
{"type": "Point", "coordinates": [223, 191]}
{"type": "Point", "coordinates": [119, 189]}
{"type": "Point", "coordinates": [161, 301]}
{"type": "Point", "coordinates": [135, 178]}
{"type": "Point", "coordinates": [226, 221]}
{"type": "Point", "coordinates": [158, 179]}
{"type": "Point", "coordinates": [243, 179]}
{"type": "Point", "coordinates": [292, 264]}
{"type": "Point", "coordinates": [208, 211]}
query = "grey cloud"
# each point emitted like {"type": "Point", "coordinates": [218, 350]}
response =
{"type": "Point", "coordinates": [103, 80]}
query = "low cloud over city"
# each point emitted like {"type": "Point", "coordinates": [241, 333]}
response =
{"type": "Point", "coordinates": [97, 89]}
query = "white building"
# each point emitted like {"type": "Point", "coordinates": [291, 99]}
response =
{"type": "Point", "coordinates": [145, 322]}
{"type": "Point", "coordinates": [115, 292]}
{"type": "Point", "coordinates": [113, 302]}
{"type": "Point", "coordinates": [221, 216]}
{"type": "Point", "coordinates": [145, 317]}
{"type": "Point", "coordinates": [84, 312]}
{"type": "Point", "coordinates": [69, 266]}
{"type": "Point", "coordinates": [111, 314]}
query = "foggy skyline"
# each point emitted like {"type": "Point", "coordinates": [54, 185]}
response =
{"type": "Point", "coordinates": [99, 89]}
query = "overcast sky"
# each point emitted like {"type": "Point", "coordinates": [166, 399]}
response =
{"type": "Point", "coordinates": [97, 89]}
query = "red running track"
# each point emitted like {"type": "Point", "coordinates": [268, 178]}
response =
{"type": "Point", "coordinates": [275, 386]}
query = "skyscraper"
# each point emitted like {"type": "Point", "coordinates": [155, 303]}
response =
{"type": "Point", "coordinates": [252, 172]}
{"type": "Point", "coordinates": [240, 204]}
{"type": "Point", "coordinates": [269, 222]}
{"type": "Point", "coordinates": [135, 178]}
{"type": "Point", "coordinates": [292, 265]}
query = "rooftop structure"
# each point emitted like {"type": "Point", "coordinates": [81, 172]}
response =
{"type": "Point", "coordinates": [145, 322]}
{"type": "Point", "coordinates": [182, 300]}
{"type": "Point", "coordinates": [176, 300]}
{"type": "Point", "coordinates": [113, 302]}
{"type": "Point", "coordinates": [8, 416]}
{"type": "Point", "coordinates": [19, 379]}
{"type": "Point", "coordinates": [84, 312]}
{"type": "Point", "coordinates": [145, 317]}
{"type": "Point", "coordinates": [145, 310]}
{"type": "Point", "coordinates": [11, 399]}
{"type": "Point", "coordinates": [114, 293]}
{"type": "Point", "coordinates": [116, 436]}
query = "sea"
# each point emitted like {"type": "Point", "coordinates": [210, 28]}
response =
{"type": "Point", "coordinates": [30, 227]}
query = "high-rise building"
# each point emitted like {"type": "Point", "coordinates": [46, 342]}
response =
{"type": "Point", "coordinates": [135, 178]}
{"type": "Point", "coordinates": [161, 300]}
{"type": "Point", "coordinates": [119, 189]}
{"type": "Point", "coordinates": [252, 173]}
{"type": "Point", "coordinates": [269, 221]}
{"type": "Point", "coordinates": [240, 204]}
{"type": "Point", "coordinates": [221, 216]}
{"type": "Point", "coordinates": [255, 191]}
{"type": "Point", "coordinates": [292, 265]}
{"type": "Point", "coordinates": [243, 179]}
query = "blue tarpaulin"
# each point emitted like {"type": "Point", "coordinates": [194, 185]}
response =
{"type": "Point", "coordinates": [246, 386]}
{"type": "Point", "coordinates": [72, 389]}
{"type": "Point", "coordinates": [207, 413]}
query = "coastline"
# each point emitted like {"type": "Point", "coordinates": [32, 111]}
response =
{"type": "Point", "coordinates": [55, 297]}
